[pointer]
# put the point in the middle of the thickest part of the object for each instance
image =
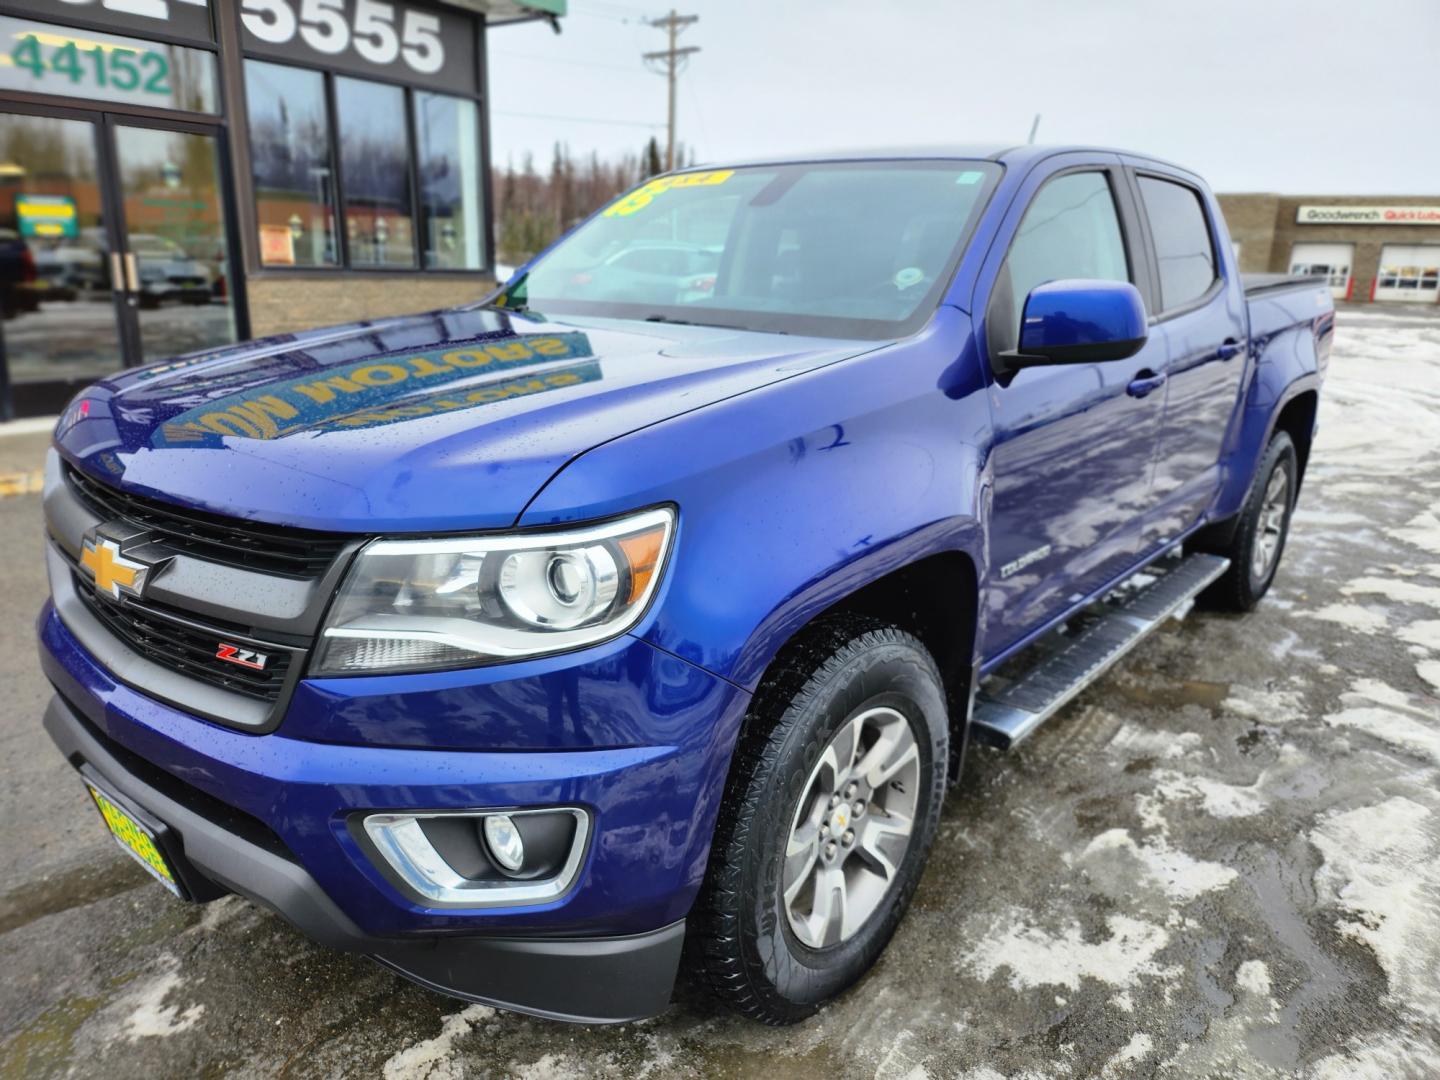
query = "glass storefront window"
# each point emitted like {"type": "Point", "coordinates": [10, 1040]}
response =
{"type": "Point", "coordinates": [375, 173]}
{"type": "Point", "coordinates": [55, 283]}
{"type": "Point", "coordinates": [406, 200]}
{"type": "Point", "coordinates": [290, 160]}
{"type": "Point", "coordinates": [43, 58]}
{"type": "Point", "coordinates": [447, 130]}
{"type": "Point", "coordinates": [174, 229]}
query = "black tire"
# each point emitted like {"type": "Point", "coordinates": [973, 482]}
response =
{"type": "Point", "coordinates": [1243, 584]}
{"type": "Point", "coordinates": [740, 936]}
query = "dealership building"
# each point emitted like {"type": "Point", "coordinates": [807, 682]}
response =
{"type": "Point", "coordinates": [182, 174]}
{"type": "Point", "coordinates": [1384, 249]}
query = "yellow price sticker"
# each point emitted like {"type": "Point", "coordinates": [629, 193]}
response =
{"type": "Point", "coordinates": [643, 196]}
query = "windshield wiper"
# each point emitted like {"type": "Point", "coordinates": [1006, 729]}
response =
{"type": "Point", "coordinates": [672, 321]}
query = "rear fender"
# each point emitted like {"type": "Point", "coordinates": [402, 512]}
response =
{"type": "Point", "coordinates": [1287, 362]}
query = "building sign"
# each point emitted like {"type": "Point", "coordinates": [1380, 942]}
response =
{"type": "Point", "coordinates": [401, 42]}
{"type": "Point", "coordinates": [277, 245]}
{"type": "Point", "coordinates": [189, 19]}
{"type": "Point", "coordinates": [1368, 215]}
{"type": "Point", "coordinates": [46, 215]}
{"type": "Point", "coordinates": [47, 59]}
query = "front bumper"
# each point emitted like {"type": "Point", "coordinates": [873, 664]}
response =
{"type": "Point", "coordinates": [267, 816]}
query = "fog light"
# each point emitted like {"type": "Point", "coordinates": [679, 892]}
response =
{"type": "Point", "coordinates": [503, 840]}
{"type": "Point", "coordinates": [479, 858]}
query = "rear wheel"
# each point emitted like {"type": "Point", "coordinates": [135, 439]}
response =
{"type": "Point", "coordinates": [831, 807]}
{"type": "Point", "coordinates": [1258, 540]}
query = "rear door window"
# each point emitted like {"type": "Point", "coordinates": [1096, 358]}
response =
{"type": "Point", "coordinates": [1183, 251]}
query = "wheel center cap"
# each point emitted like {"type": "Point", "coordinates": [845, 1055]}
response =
{"type": "Point", "coordinates": [840, 818]}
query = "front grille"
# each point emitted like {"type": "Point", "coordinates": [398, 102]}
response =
{"type": "Point", "coordinates": [271, 549]}
{"type": "Point", "coordinates": [185, 648]}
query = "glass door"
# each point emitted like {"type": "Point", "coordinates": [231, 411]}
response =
{"type": "Point", "coordinates": [62, 323]}
{"type": "Point", "coordinates": [174, 239]}
{"type": "Point", "coordinates": [114, 249]}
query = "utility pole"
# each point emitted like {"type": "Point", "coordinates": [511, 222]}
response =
{"type": "Point", "coordinates": [672, 56]}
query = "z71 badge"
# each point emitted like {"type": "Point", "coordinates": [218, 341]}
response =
{"type": "Point", "coordinates": [244, 657]}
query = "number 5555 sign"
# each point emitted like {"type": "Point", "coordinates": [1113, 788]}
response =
{"type": "Point", "coordinates": [366, 37]}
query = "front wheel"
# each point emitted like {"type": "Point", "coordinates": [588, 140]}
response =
{"type": "Point", "coordinates": [831, 807]}
{"type": "Point", "coordinates": [1259, 537]}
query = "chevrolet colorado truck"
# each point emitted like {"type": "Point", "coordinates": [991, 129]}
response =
{"type": "Point", "coordinates": [636, 617]}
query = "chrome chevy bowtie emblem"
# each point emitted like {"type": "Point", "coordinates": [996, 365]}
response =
{"type": "Point", "coordinates": [114, 575]}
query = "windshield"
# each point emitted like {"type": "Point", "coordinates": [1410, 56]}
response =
{"type": "Point", "coordinates": [856, 249]}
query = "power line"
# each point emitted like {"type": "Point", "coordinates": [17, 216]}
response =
{"type": "Point", "coordinates": [576, 119]}
{"type": "Point", "coordinates": [615, 9]}
{"type": "Point", "coordinates": [604, 15]}
{"type": "Point", "coordinates": [562, 60]}
{"type": "Point", "coordinates": [704, 127]}
{"type": "Point", "coordinates": [672, 57]}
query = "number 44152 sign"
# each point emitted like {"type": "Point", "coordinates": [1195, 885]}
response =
{"type": "Point", "coordinates": [429, 46]}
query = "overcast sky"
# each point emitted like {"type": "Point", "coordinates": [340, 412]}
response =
{"type": "Point", "coordinates": [1295, 96]}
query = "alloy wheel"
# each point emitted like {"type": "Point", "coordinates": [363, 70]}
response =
{"type": "Point", "coordinates": [1270, 531]}
{"type": "Point", "coordinates": [851, 828]}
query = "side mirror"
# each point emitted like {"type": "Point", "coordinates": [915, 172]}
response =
{"type": "Point", "coordinates": [1078, 322]}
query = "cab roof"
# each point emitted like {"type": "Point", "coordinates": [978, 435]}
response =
{"type": "Point", "coordinates": [1005, 153]}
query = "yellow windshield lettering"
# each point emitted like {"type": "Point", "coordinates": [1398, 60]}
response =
{"type": "Point", "coordinates": [643, 196]}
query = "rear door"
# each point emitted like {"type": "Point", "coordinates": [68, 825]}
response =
{"type": "Point", "coordinates": [1073, 444]}
{"type": "Point", "coordinates": [1198, 336]}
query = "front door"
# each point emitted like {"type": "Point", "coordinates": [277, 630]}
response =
{"type": "Point", "coordinates": [62, 325]}
{"type": "Point", "coordinates": [1074, 443]}
{"type": "Point", "coordinates": [114, 248]}
{"type": "Point", "coordinates": [174, 242]}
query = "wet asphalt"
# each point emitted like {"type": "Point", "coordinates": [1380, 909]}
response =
{"type": "Point", "coordinates": [1221, 860]}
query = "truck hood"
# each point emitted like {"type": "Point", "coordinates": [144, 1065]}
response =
{"type": "Point", "coordinates": [448, 420]}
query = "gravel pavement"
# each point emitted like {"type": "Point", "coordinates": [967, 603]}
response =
{"type": "Point", "coordinates": [1221, 860]}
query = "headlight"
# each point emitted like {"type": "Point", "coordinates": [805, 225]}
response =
{"type": "Point", "coordinates": [426, 605]}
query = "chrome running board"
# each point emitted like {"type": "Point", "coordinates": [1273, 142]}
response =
{"type": "Point", "coordinates": [1008, 715]}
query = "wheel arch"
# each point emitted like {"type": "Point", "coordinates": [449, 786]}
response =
{"type": "Point", "coordinates": [1297, 419]}
{"type": "Point", "coordinates": [935, 598]}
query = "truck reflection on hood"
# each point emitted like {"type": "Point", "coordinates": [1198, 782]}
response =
{"type": "Point", "coordinates": [385, 389]}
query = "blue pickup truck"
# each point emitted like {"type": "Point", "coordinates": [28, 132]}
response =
{"type": "Point", "coordinates": [637, 617]}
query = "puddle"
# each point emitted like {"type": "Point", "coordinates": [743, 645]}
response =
{"type": "Point", "coordinates": [70, 889]}
{"type": "Point", "coordinates": [1156, 690]}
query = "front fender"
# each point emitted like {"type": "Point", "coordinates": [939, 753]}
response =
{"type": "Point", "coordinates": [794, 495]}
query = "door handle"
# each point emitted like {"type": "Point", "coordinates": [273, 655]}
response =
{"type": "Point", "coordinates": [117, 275]}
{"type": "Point", "coordinates": [132, 273]}
{"type": "Point", "coordinates": [1147, 382]}
{"type": "Point", "coordinates": [1228, 348]}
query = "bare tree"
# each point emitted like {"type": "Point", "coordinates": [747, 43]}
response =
{"type": "Point", "coordinates": [532, 210]}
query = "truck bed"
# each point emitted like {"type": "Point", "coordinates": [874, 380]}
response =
{"type": "Point", "coordinates": [1258, 283]}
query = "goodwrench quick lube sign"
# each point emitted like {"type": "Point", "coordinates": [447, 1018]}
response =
{"type": "Point", "coordinates": [1367, 215]}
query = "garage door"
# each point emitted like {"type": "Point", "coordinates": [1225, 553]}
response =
{"type": "Point", "coordinates": [1330, 261]}
{"type": "Point", "coordinates": [1409, 273]}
